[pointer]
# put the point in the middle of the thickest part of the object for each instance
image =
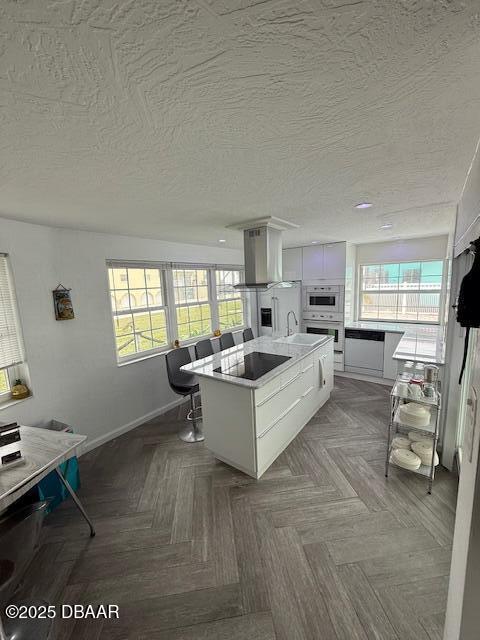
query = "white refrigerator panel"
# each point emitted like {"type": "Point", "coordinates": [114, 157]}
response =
{"type": "Point", "coordinates": [280, 300]}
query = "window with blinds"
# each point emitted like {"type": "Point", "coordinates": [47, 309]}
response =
{"type": "Point", "coordinates": [11, 344]}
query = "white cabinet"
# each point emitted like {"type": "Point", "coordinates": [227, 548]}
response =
{"type": "Point", "coordinates": [334, 258]}
{"type": "Point", "coordinates": [292, 264]}
{"type": "Point", "coordinates": [324, 261]}
{"type": "Point", "coordinates": [248, 428]}
{"type": "Point", "coordinates": [390, 366]}
{"type": "Point", "coordinates": [313, 262]}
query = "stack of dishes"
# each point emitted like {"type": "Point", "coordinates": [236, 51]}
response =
{"type": "Point", "coordinates": [414, 415]}
{"type": "Point", "coordinates": [406, 459]}
{"type": "Point", "coordinates": [424, 450]}
{"type": "Point", "coordinates": [414, 436]}
{"type": "Point", "coordinates": [401, 442]}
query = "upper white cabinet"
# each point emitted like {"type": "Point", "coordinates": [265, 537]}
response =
{"type": "Point", "coordinates": [292, 264]}
{"type": "Point", "coordinates": [334, 257]}
{"type": "Point", "coordinates": [324, 261]}
{"type": "Point", "coordinates": [313, 262]}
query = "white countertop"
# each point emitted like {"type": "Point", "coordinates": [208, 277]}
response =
{"type": "Point", "coordinates": [205, 367]}
{"type": "Point", "coordinates": [420, 343]}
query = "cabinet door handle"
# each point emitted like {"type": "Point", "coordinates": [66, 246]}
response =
{"type": "Point", "coordinates": [280, 417]}
{"type": "Point", "coordinates": [289, 382]}
{"type": "Point", "coordinates": [310, 366]}
{"type": "Point", "coordinates": [321, 372]}
{"type": "Point", "coordinates": [307, 392]}
{"type": "Point", "coordinates": [267, 398]}
{"type": "Point", "coordinates": [277, 391]}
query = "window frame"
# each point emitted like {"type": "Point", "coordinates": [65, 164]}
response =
{"type": "Point", "coordinates": [175, 305]}
{"type": "Point", "coordinates": [170, 305]}
{"type": "Point", "coordinates": [147, 353]}
{"type": "Point", "coordinates": [241, 296]}
{"type": "Point", "coordinates": [442, 292]}
{"type": "Point", "coordinates": [5, 395]}
{"type": "Point", "coordinates": [18, 370]}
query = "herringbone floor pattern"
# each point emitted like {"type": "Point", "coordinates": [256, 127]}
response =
{"type": "Point", "coordinates": [322, 547]}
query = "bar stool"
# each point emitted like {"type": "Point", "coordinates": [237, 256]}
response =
{"type": "Point", "coordinates": [185, 384]}
{"type": "Point", "coordinates": [226, 341]}
{"type": "Point", "coordinates": [203, 349]}
{"type": "Point", "coordinates": [247, 334]}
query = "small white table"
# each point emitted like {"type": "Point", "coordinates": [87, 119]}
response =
{"type": "Point", "coordinates": [43, 451]}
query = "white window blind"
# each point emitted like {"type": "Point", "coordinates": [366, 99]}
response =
{"type": "Point", "coordinates": [11, 348]}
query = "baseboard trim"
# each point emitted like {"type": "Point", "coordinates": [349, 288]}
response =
{"type": "Point", "coordinates": [360, 376]}
{"type": "Point", "coordinates": [106, 437]}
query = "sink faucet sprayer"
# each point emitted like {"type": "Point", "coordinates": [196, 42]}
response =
{"type": "Point", "coordinates": [288, 321]}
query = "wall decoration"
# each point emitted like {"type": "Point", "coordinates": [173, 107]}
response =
{"type": "Point", "coordinates": [62, 303]}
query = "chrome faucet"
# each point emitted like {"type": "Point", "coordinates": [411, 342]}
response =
{"type": "Point", "coordinates": [288, 322]}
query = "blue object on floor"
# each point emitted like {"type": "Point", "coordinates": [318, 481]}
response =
{"type": "Point", "coordinates": [52, 488]}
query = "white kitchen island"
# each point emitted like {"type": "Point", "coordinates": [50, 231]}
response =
{"type": "Point", "coordinates": [249, 422]}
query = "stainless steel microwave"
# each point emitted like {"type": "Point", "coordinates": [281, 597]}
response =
{"type": "Point", "coordinates": [324, 298]}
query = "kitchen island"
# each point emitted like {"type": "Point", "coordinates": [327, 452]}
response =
{"type": "Point", "coordinates": [257, 396]}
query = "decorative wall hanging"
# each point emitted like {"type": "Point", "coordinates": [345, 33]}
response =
{"type": "Point", "coordinates": [62, 303]}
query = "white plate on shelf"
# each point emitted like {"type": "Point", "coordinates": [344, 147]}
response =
{"type": "Point", "coordinates": [414, 436]}
{"type": "Point", "coordinates": [406, 459]}
{"type": "Point", "coordinates": [401, 442]}
{"type": "Point", "coordinates": [414, 414]}
{"type": "Point", "coordinates": [424, 451]}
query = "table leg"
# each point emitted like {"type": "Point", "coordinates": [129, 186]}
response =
{"type": "Point", "coordinates": [2, 632]}
{"type": "Point", "coordinates": [76, 500]}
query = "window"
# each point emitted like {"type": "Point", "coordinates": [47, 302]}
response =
{"type": "Point", "coordinates": [155, 304]}
{"type": "Point", "coordinates": [230, 301]}
{"type": "Point", "coordinates": [192, 303]}
{"type": "Point", "coordinates": [4, 382]}
{"type": "Point", "coordinates": [11, 344]}
{"type": "Point", "coordinates": [405, 291]}
{"type": "Point", "coordinates": [139, 309]}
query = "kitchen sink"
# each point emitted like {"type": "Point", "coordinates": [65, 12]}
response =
{"type": "Point", "coordinates": [302, 338]}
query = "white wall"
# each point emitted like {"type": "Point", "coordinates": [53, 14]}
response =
{"type": "Point", "coordinates": [468, 210]}
{"type": "Point", "coordinates": [463, 614]}
{"type": "Point", "coordinates": [73, 368]}
{"type": "Point", "coordinates": [430, 248]}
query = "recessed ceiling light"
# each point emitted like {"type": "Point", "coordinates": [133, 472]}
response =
{"type": "Point", "coordinates": [222, 240]}
{"type": "Point", "coordinates": [315, 241]}
{"type": "Point", "coordinates": [387, 225]}
{"type": "Point", "coordinates": [363, 205]}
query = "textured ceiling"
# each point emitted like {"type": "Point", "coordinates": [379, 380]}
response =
{"type": "Point", "coordinates": [172, 118]}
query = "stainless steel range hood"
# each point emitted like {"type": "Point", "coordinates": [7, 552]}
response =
{"type": "Point", "coordinates": [262, 246]}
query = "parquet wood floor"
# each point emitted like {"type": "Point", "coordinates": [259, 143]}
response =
{"type": "Point", "coordinates": [323, 547]}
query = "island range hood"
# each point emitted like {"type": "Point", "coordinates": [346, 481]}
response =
{"type": "Point", "coordinates": [262, 246]}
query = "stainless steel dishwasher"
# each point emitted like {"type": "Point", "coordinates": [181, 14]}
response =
{"type": "Point", "coordinates": [364, 351]}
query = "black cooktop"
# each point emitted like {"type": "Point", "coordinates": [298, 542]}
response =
{"type": "Point", "coordinates": [251, 366]}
